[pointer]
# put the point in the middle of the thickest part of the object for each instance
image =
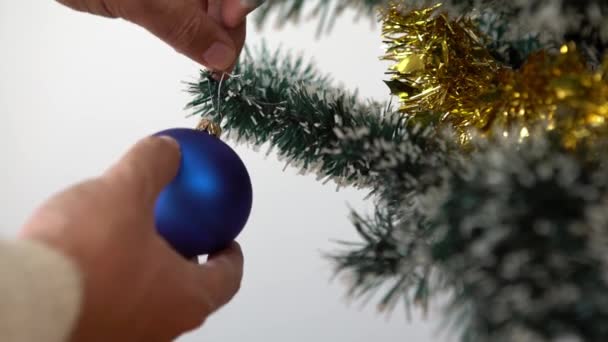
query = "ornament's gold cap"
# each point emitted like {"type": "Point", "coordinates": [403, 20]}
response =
{"type": "Point", "coordinates": [210, 127]}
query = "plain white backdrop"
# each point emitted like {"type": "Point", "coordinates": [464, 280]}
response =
{"type": "Point", "coordinates": [76, 91]}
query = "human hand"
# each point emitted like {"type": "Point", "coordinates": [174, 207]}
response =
{"type": "Point", "coordinates": [135, 287]}
{"type": "Point", "coordinates": [210, 32]}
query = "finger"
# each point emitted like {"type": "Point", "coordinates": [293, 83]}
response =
{"type": "Point", "coordinates": [220, 277]}
{"type": "Point", "coordinates": [185, 26]}
{"type": "Point", "coordinates": [147, 168]}
{"type": "Point", "coordinates": [235, 11]}
{"type": "Point", "coordinates": [237, 34]}
{"type": "Point", "coordinates": [214, 10]}
{"type": "Point", "coordinates": [238, 37]}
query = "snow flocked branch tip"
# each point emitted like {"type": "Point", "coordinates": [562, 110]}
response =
{"type": "Point", "coordinates": [282, 101]}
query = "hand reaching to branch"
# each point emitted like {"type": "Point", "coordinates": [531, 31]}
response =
{"type": "Point", "coordinates": [134, 286]}
{"type": "Point", "coordinates": [210, 32]}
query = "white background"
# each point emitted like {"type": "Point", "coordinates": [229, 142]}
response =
{"type": "Point", "coordinates": [76, 91]}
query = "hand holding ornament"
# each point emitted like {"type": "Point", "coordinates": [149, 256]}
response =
{"type": "Point", "coordinates": [135, 286]}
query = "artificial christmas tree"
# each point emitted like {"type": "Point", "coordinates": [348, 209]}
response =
{"type": "Point", "coordinates": [489, 177]}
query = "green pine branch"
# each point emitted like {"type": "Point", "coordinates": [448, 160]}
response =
{"type": "Point", "coordinates": [523, 233]}
{"type": "Point", "coordinates": [391, 256]}
{"type": "Point", "coordinates": [325, 11]}
{"type": "Point", "coordinates": [282, 101]}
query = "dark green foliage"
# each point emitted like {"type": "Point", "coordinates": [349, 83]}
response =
{"type": "Point", "coordinates": [583, 22]}
{"type": "Point", "coordinates": [525, 235]}
{"type": "Point", "coordinates": [327, 11]}
{"type": "Point", "coordinates": [505, 47]}
{"type": "Point", "coordinates": [382, 261]}
{"type": "Point", "coordinates": [516, 28]}
{"type": "Point", "coordinates": [519, 27]}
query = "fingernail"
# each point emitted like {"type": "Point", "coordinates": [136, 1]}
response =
{"type": "Point", "coordinates": [219, 56]}
{"type": "Point", "coordinates": [170, 140]}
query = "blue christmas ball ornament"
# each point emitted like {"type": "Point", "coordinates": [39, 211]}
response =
{"type": "Point", "coordinates": [208, 203]}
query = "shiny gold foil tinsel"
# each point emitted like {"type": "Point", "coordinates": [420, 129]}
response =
{"type": "Point", "coordinates": [444, 73]}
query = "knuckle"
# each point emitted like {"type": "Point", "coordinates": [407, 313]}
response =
{"type": "Point", "coordinates": [231, 277]}
{"type": "Point", "coordinates": [109, 8]}
{"type": "Point", "coordinates": [98, 7]}
{"type": "Point", "coordinates": [134, 170]}
{"type": "Point", "coordinates": [238, 285]}
{"type": "Point", "coordinates": [192, 317]}
{"type": "Point", "coordinates": [143, 168]}
{"type": "Point", "coordinates": [199, 320]}
{"type": "Point", "coordinates": [232, 273]}
{"type": "Point", "coordinates": [228, 283]}
{"type": "Point", "coordinates": [192, 323]}
{"type": "Point", "coordinates": [136, 179]}
{"type": "Point", "coordinates": [183, 34]}
{"type": "Point", "coordinates": [205, 306]}
{"type": "Point", "coordinates": [127, 9]}
{"type": "Point", "coordinates": [140, 177]}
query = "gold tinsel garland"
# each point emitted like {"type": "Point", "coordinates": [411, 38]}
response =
{"type": "Point", "coordinates": [444, 73]}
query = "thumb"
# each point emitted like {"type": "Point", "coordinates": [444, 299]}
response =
{"type": "Point", "coordinates": [145, 170]}
{"type": "Point", "coordinates": [185, 26]}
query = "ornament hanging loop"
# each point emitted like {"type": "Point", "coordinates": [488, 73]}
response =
{"type": "Point", "coordinates": [209, 126]}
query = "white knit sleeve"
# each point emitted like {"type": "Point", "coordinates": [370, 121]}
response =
{"type": "Point", "coordinates": [40, 293]}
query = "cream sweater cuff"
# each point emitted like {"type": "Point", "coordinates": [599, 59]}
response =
{"type": "Point", "coordinates": [40, 293]}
